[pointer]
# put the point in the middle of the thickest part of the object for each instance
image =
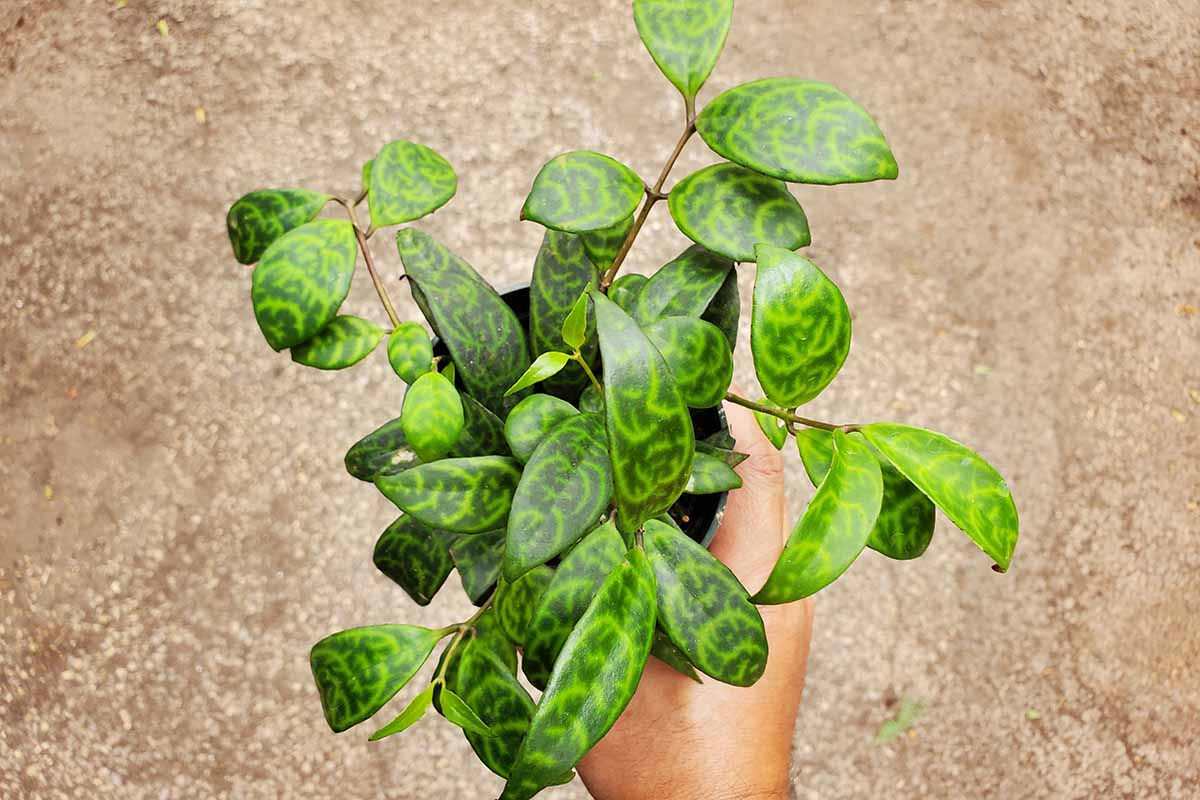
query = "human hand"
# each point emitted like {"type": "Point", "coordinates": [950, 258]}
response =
{"type": "Point", "coordinates": [680, 740]}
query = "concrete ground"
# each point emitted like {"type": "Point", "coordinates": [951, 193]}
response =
{"type": "Point", "coordinates": [175, 525]}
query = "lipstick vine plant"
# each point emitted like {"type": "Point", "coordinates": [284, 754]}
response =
{"type": "Point", "coordinates": [564, 510]}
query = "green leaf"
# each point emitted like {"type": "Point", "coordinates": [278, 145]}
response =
{"type": "Point", "coordinates": [358, 670]}
{"type": "Point", "coordinates": [455, 709]}
{"type": "Point", "coordinates": [410, 352]}
{"type": "Point", "coordinates": [797, 130]}
{"type": "Point", "coordinates": [575, 583]}
{"type": "Point", "coordinates": [583, 191]}
{"type": "Point", "coordinates": [464, 495]}
{"type": "Point", "coordinates": [411, 714]}
{"type": "Point", "coordinates": [448, 371]}
{"type": "Point", "coordinates": [565, 488]}
{"type": "Point", "coordinates": [479, 559]}
{"type": "Point", "coordinates": [301, 281]}
{"type": "Point", "coordinates": [416, 557]}
{"type": "Point", "coordinates": [698, 356]}
{"type": "Point", "coordinates": [703, 608]}
{"type": "Point", "coordinates": [729, 209]}
{"type": "Point", "coordinates": [530, 421]}
{"type": "Point", "coordinates": [650, 437]}
{"type": "Point", "coordinates": [684, 37]}
{"type": "Point", "coordinates": [625, 290]}
{"type": "Point", "coordinates": [602, 246]}
{"type": "Point", "coordinates": [727, 456]}
{"type": "Point", "coordinates": [518, 600]}
{"type": "Point", "coordinates": [682, 288]}
{"type": "Point", "coordinates": [486, 684]}
{"type": "Point", "coordinates": [574, 327]}
{"type": "Point", "coordinates": [672, 656]}
{"type": "Point", "coordinates": [910, 711]}
{"type": "Point", "coordinates": [432, 417]}
{"type": "Point", "coordinates": [408, 181]}
{"type": "Point", "coordinates": [725, 310]}
{"type": "Point", "coordinates": [259, 218]}
{"type": "Point", "coordinates": [561, 273]}
{"type": "Point", "coordinates": [342, 343]}
{"type": "Point", "coordinates": [366, 175]}
{"type": "Point", "coordinates": [591, 401]}
{"type": "Point", "coordinates": [711, 475]}
{"type": "Point", "coordinates": [546, 365]}
{"type": "Point", "coordinates": [773, 427]}
{"type": "Point", "coordinates": [834, 528]}
{"type": "Point", "coordinates": [964, 486]}
{"type": "Point", "coordinates": [384, 450]}
{"type": "Point", "coordinates": [799, 328]}
{"type": "Point", "coordinates": [593, 680]}
{"type": "Point", "coordinates": [482, 433]}
{"type": "Point", "coordinates": [461, 306]}
{"type": "Point", "coordinates": [906, 518]}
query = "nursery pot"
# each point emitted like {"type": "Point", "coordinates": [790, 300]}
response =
{"type": "Point", "coordinates": [698, 515]}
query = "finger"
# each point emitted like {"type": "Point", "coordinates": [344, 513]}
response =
{"type": "Point", "coordinates": [752, 534]}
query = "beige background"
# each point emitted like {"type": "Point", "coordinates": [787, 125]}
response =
{"type": "Point", "coordinates": [175, 525]}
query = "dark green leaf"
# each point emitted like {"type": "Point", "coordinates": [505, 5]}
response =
{"type": "Point", "coordinates": [575, 583]}
{"type": "Point", "coordinates": [650, 437]}
{"type": "Point", "coordinates": [461, 306]}
{"type": "Point", "coordinates": [728, 457]}
{"type": "Point", "coordinates": [432, 416]}
{"type": "Point", "coordinates": [729, 209]}
{"type": "Point", "coordinates": [672, 656]}
{"type": "Point", "coordinates": [684, 37]}
{"type": "Point", "coordinates": [482, 433]}
{"type": "Point", "coordinates": [545, 366]}
{"type": "Point", "coordinates": [591, 401]}
{"type": "Point", "coordinates": [455, 709]}
{"type": "Point", "coordinates": [773, 428]}
{"type": "Point", "coordinates": [594, 679]}
{"type": "Point", "coordinates": [906, 517]}
{"type": "Point", "coordinates": [342, 343]}
{"type": "Point", "coordinates": [561, 273]}
{"type": "Point", "coordinates": [711, 475]}
{"type": "Point", "coordinates": [360, 669]}
{"type": "Point", "coordinates": [259, 218]}
{"type": "Point", "coordinates": [583, 191]}
{"type": "Point", "coordinates": [799, 329]}
{"type": "Point", "coordinates": [411, 714]}
{"type": "Point", "coordinates": [302, 280]}
{"type": "Point", "coordinates": [797, 130]}
{"type": "Point", "coordinates": [574, 327]}
{"type": "Point", "coordinates": [603, 245]}
{"type": "Point", "coordinates": [964, 486]}
{"type": "Point", "coordinates": [564, 489]}
{"type": "Point", "coordinates": [382, 451]}
{"type": "Point", "coordinates": [464, 495]}
{"type": "Point", "coordinates": [625, 290]}
{"type": "Point", "coordinates": [479, 559]}
{"type": "Point", "coordinates": [683, 287]}
{"type": "Point", "coordinates": [703, 608]}
{"type": "Point", "coordinates": [408, 181]}
{"type": "Point", "coordinates": [487, 685]}
{"type": "Point", "coordinates": [518, 600]}
{"type": "Point", "coordinates": [698, 356]}
{"type": "Point", "coordinates": [530, 421]}
{"type": "Point", "coordinates": [416, 557]}
{"type": "Point", "coordinates": [835, 526]}
{"type": "Point", "coordinates": [725, 310]}
{"type": "Point", "coordinates": [410, 351]}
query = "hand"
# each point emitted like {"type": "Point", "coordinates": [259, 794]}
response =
{"type": "Point", "coordinates": [680, 740]}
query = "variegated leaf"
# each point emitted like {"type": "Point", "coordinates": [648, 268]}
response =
{"type": "Point", "coordinates": [835, 526]}
{"type": "Point", "coordinates": [382, 451]}
{"type": "Point", "coordinates": [408, 181]}
{"type": "Point", "coordinates": [625, 290]}
{"type": "Point", "coordinates": [729, 209]}
{"type": "Point", "coordinates": [561, 273]}
{"type": "Point", "coordinates": [698, 356]}
{"type": "Point", "coordinates": [582, 191]}
{"type": "Point", "coordinates": [342, 343]}
{"type": "Point", "coordinates": [531, 420]}
{"type": "Point", "coordinates": [416, 557]}
{"type": "Point", "coordinates": [301, 281]}
{"type": "Point", "coordinates": [259, 218]}
{"type": "Point", "coordinates": [518, 600]}
{"type": "Point", "coordinates": [725, 310]}
{"type": "Point", "coordinates": [464, 495]}
{"type": "Point", "coordinates": [479, 559]}
{"type": "Point", "coordinates": [672, 656]}
{"type": "Point", "coordinates": [482, 432]}
{"type": "Point", "coordinates": [711, 475]}
{"type": "Point", "coordinates": [432, 417]}
{"type": "Point", "coordinates": [684, 37]}
{"type": "Point", "coordinates": [603, 245]}
{"type": "Point", "coordinates": [797, 130]}
{"type": "Point", "coordinates": [410, 352]}
{"type": "Point", "coordinates": [591, 401]}
{"type": "Point", "coordinates": [683, 287]}
{"type": "Point", "coordinates": [487, 685]}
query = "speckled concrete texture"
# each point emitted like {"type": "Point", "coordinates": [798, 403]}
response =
{"type": "Point", "coordinates": [175, 525]}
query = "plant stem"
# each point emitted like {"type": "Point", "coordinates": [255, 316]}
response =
{"type": "Point", "coordinates": [653, 195]}
{"type": "Point", "coordinates": [366, 252]}
{"type": "Point", "coordinates": [460, 633]}
{"type": "Point", "coordinates": [786, 416]}
{"type": "Point", "coordinates": [591, 375]}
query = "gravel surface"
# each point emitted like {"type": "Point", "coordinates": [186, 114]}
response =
{"type": "Point", "coordinates": [176, 528]}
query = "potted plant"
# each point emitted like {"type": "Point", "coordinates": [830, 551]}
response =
{"type": "Point", "coordinates": [561, 447]}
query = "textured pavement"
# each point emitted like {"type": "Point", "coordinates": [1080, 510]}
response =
{"type": "Point", "coordinates": [176, 528]}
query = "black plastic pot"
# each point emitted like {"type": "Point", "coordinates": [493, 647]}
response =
{"type": "Point", "coordinates": [698, 515]}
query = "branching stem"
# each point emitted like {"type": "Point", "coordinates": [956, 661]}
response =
{"type": "Point", "coordinates": [460, 632]}
{"type": "Point", "coordinates": [367, 257]}
{"type": "Point", "coordinates": [786, 416]}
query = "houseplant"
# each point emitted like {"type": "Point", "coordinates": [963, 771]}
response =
{"type": "Point", "coordinates": [551, 461]}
